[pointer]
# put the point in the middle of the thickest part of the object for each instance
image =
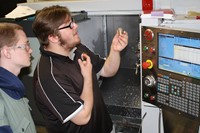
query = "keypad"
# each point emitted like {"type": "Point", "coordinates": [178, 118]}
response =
{"type": "Point", "coordinates": [180, 95]}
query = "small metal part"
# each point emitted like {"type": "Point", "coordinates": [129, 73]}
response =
{"type": "Point", "coordinates": [83, 58]}
{"type": "Point", "coordinates": [120, 31]}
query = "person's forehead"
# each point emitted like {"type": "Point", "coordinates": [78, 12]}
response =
{"type": "Point", "coordinates": [21, 36]}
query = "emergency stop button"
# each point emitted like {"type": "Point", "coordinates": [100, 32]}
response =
{"type": "Point", "coordinates": [147, 65]}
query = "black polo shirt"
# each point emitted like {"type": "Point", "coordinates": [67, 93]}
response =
{"type": "Point", "coordinates": [58, 84]}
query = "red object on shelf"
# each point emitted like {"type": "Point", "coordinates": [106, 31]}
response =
{"type": "Point", "coordinates": [147, 5]}
{"type": "Point", "coordinates": [197, 17]}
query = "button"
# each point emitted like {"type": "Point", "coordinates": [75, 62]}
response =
{"type": "Point", "coordinates": [152, 50]}
{"type": "Point", "coordinates": [147, 64]}
{"type": "Point", "coordinates": [145, 48]}
{"type": "Point", "coordinates": [152, 98]}
{"type": "Point", "coordinates": [146, 95]}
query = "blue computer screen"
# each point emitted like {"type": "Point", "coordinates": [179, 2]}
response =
{"type": "Point", "coordinates": [179, 54]}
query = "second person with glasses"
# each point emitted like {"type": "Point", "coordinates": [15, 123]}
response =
{"type": "Point", "coordinates": [15, 54]}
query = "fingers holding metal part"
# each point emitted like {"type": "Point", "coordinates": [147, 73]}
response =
{"type": "Point", "coordinates": [121, 31]}
{"type": "Point", "coordinates": [85, 65]}
{"type": "Point", "coordinates": [122, 39]}
{"type": "Point", "coordinates": [84, 56]}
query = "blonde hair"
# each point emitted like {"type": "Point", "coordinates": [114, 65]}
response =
{"type": "Point", "coordinates": [8, 34]}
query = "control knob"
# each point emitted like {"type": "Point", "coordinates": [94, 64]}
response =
{"type": "Point", "coordinates": [149, 81]}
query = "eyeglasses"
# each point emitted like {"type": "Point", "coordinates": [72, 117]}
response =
{"type": "Point", "coordinates": [71, 25]}
{"type": "Point", "coordinates": [23, 46]}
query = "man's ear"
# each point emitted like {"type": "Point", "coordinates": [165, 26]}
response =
{"type": "Point", "coordinates": [5, 51]}
{"type": "Point", "coordinates": [53, 38]}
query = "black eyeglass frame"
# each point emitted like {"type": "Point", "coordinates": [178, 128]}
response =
{"type": "Point", "coordinates": [68, 26]}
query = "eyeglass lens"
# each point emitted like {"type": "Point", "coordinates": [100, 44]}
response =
{"type": "Point", "coordinates": [71, 25]}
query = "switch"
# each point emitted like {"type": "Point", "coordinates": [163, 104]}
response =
{"type": "Point", "coordinates": [152, 98]}
{"type": "Point", "coordinates": [152, 50]}
{"type": "Point", "coordinates": [146, 95]}
{"type": "Point", "coordinates": [147, 65]}
{"type": "Point", "coordinates": [145, 48]}
{"type": "Point", "coordinates": [149, 81]}
{"type": "Point", "coordinates": [148, 35]}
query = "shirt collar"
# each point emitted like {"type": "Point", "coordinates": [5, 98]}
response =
{"type": "Point", "coordinates": [55, 55]}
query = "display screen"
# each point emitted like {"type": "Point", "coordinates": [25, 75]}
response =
{"type": "Point", "coordinates": [179, 54]}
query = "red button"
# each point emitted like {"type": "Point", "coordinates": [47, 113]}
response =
{"type": "Point", "coordinates": [152, 98]}
{"type": "Point", "coordinates": [152, 50]}
{"type": "Point", "coordinates": [145, 65]}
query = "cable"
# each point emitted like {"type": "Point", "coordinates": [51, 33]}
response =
{"type": "Point", "coordinates": [159, 120]}
{"type": "Point", "coordinates": [142, 121]}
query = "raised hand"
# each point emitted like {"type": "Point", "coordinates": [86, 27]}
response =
{"type": "Point", "coordinates": [120, 40]}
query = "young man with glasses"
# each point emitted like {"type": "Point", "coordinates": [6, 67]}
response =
{"type": "Point", "coordinates": [15, 54]}
{"type": "Point", "coordinates": [65, 83]}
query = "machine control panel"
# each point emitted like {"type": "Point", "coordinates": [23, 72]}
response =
{"type": "Point", "coordinates": [170, 74]}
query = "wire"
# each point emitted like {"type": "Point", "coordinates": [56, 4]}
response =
{"type": "Point", "coordinates": [142, 121]}
{"type": "Point", "coordinates": [159, 120]}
